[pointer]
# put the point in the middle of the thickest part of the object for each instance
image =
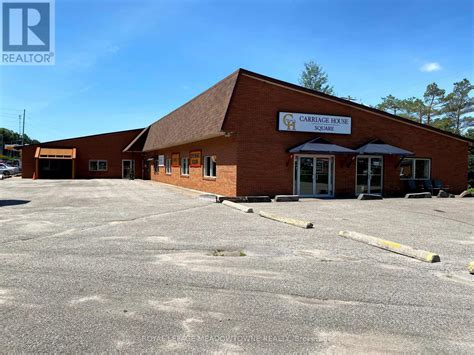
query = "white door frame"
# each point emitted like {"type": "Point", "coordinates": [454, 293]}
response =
{"type": "Point", "coordinates": [369, 175]}
{"type": "Point", "coordinates": [132, 166]}
{"type": "Point", "coordinates": [331, 172]}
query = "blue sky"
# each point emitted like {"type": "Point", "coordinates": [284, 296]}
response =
{"type": "Point", "coordinates": [124, 64]}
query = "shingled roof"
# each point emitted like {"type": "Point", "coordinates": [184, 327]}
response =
{"type": "Point", "coordinates": [200, 118]}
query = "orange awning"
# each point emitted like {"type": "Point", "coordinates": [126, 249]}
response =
{"type": "Point", "coordinates": [55, 153]}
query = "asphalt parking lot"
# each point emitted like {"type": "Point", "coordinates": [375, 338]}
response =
{"type": "Point", "coordinates": [118, 265]}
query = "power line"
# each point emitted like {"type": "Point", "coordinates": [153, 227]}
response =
{"type": "Point", "coordinates": [9, 117]}
{"type": "Point", "coordinates": [9, 114]}
{"type": "Point", "coordinates": [4, 112]}
{"type": "Point", "coordinates": [10, 109]}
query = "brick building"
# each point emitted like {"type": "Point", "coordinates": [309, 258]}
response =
{"type": "Point", "coordinates": [254, 135]}
{"type": "Point", "coordinates": [97, 156]}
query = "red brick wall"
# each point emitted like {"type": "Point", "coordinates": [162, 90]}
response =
{"type": "Point", "coordinates": [107, 146]}
{"type": "Point", "coordinates": [225, 151]}
{"type": "Point", "coordinates": [28, 161]}
{"type": "Point", "coordinates": [264, 166]}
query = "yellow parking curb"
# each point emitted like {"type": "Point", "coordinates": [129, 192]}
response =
{"type": "Point", "coordinates": [392, 246]}
{"type": "Point", "coordinates": [470, 267]}
{"type": "Point", "coordinates": [237, 206]}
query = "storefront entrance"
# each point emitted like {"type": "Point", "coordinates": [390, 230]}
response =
{"type": "Point", "coordinates": [369, 175]}
{"type": "Point", "coordinates": [314, 176]}
{"type": "Point", "coordinates": [55, 168]}
{"type": "Point", "coordinates": [54, 163]}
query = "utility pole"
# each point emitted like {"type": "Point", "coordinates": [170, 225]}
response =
{"type": "Point", "coordinates": [23, 134]}
{"type": "Point", "coordinates": [19, 128]}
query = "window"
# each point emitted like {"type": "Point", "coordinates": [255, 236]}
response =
{"type": "Point", "coordinates": [406, 169]}
{"type": "Point", "coordinates": [102, 165]}
{"type": "Point", "coordinates": [155, 166]}
{"type": "Point", "coordinates": [168, 166]}
{"type": "Point", "coordinates": [210, 166]}
{"type": "Point", "coordinates": [97, 165]}
{"type": "Point", "coordinates": [184, 166]}
{"type": "Point", "coordinates": [422, 169]}
{"type": "Point", "coordinates": [416, 169]}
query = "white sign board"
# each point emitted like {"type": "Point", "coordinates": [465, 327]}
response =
{"type": "Point", "coordinates": [308, 122]}
{"type": "Point", "coordinates": [161, 160]}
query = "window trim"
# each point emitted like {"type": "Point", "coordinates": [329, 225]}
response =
{"type": "Point", "coordinates": [168, 167]}
{"type": "Point", "coordinates": [97, 161]}
{"type": "Point", "coordinates": [183, 165]}
{"type": "Point", "coordinates": [205, 167]}
{"type": "Point", "coordinates": [413, 168]}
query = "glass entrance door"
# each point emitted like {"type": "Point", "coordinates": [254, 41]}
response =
{"type": "Point", "coordinates": [313, 176]}
{"type": "Point", "coordinates": [369, 175]}
{"type": "Point", "coordinates": [128, 169]}
{"type": "Point", "coordinates": [306, 177]}
{"type": "Point", "coordinates": [322, 176]}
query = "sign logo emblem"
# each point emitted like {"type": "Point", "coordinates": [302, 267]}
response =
{"type": "Point", "coordinates": [27, 32]}
{"type": "Point", "coordinates": [289, 122]}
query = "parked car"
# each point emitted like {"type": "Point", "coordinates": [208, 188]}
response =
{"type": "Point", "coordinates": [5, 171]}
{"type": "Point", "coordinates": [14, 164]}
{"type": "Point", "coordinates": [10, 169]}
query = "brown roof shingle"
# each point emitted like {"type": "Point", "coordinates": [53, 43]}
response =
{"type": "Point", "coordinates": [198, 119]}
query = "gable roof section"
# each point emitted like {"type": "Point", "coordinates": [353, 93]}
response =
{"type": "Point", "coordinates": [136, 145]}
{"type": "Point", "coordinates": [200, 118]}
{"type": "Point", "coordinates": [369, 109]}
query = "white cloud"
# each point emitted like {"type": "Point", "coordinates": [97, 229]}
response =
{"type": "Point", "coordinates": [429, 67]}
